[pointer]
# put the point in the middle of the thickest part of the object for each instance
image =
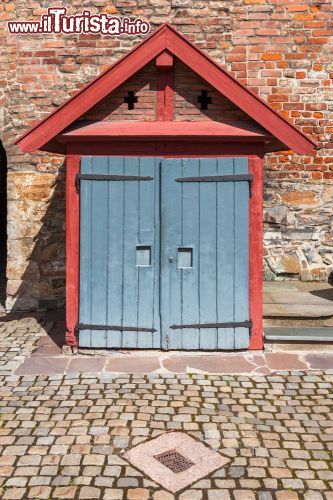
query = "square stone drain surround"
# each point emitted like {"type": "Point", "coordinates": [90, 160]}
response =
{"type": "Point", "coordinates": [175, 460]}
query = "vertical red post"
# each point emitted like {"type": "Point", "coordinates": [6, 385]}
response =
{"type": "Point", "coordinates": [72, 249]}
{"type": "Point", "coordinates": [164, 87]}
{"type": "Point", "coordinates": [256, 253]}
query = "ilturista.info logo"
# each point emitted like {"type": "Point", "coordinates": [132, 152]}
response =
{"type": "Point", "coordinates": [57, 21]}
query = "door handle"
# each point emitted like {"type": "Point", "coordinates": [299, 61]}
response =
{"type": "Point", "coordinates": [170, 259]}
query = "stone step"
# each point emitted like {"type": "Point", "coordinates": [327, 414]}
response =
{"type": "Point", "coordinates": [298, 310]}
{"type": "Point", "coordinates": [323, 322]}
{"type": "Point", "coordinates": [298, 304]}
{"type": "Point", "coordinates": [298, 334]}
{"type": "Point", "coordinates": [287, 286]}
{"type": "Point", "coordinates": [296, 297]}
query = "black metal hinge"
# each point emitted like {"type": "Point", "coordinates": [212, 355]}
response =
{"type": "Point", "coordinates": [220, 178]}
{"type": "Point", "coordinates": [77, 183]}
{"type": "Point", "coordinates": [102, 177]}
{"type": "Point", "coordinates": [235, 324]}
{"type": "Point", "coordinates": [84, 326]}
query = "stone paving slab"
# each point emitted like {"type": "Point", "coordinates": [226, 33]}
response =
{"type": "Point", "coordinates": [200, 460]}
{"type": "Point", "coordinates": [161, 362]}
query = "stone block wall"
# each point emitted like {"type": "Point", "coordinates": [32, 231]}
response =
{"type": "Point", "coordinates": [281, 49]}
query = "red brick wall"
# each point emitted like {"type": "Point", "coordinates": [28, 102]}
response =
{"type": "Point", "coordinates": [188, 87]}
{"type": "Point", "coordinates": [281, 49]}
{"type": "Point", "coordinates": [113, 107]}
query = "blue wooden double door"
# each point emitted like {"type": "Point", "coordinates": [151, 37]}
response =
{"type": "Point", "coordinates": [164, 253]}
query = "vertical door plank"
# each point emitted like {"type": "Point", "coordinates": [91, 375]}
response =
{"type": "Point", "coordinates": [99, 254]}
{"type": "Point", "coordinates": [174, 229]}
{"type": "Point", "coordinates": [148, 235]}
{"type": "Point", "coordinates": [207, 254]}
{"type": "Point", "coordinates": [156, 257]}
{"type": "Point", "coordinates": [171, 222]}
{"type": "Point", "coordinates": [190, 238]}
{"type": "Point", "coordinates": [131, 227]}
{"type": "Point", "coordinates": [241, 253]}
{"type": "Point", "coordinates": [165, 285]}
{"type": "Point", "coordinates": [225, 255]}
{"type": "Point", "coordinates": [116, 252]}
{"type": "Point", "coordinates": [85, 253]}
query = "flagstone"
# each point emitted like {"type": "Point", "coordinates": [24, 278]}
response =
{"type": "Point", "coordinates": [133, 364]}
{"type": "Point", "coordinates": [210, 364]}
{"type": "Point", "coordinates": [321, 361]}
{"type": "Point", "coordinates": [42, 365]}
{"type": "Point", "coordinates": [280, 361]}
{"type": "Point", "coordinates": [86, 364]}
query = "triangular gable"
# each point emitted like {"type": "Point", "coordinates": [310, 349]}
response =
{"type": "Point", "coordinates": [186, 88]}
{"type": "Point", "coordinates": [165, 37]}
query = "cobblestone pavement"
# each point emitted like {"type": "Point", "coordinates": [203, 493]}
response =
{"type": "Point", "coordinates": [19, 337]}
{"type": "Point", "coordinates": [65, 435]}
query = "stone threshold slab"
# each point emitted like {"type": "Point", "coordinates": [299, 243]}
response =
{"type": "Point", "coordinates": [141, 362]}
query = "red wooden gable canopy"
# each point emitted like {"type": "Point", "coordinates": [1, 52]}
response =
{"type": "Point", "coordinates": [51, 133]}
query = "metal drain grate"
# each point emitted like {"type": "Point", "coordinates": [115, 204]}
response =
{"type": "Point", "coordinates": [174, 461]}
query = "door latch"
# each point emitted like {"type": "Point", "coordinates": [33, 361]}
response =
{"type": "Point", "coordinates": [171, 259]}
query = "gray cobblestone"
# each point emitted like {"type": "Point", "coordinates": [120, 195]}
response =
{"type": "Point", "coordinates": [65, 436]}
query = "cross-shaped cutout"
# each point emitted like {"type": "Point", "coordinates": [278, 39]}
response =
{"type": "Point", "coordinates": [204, 100]}
{"type": "Point", "coordinates": [131, 99]}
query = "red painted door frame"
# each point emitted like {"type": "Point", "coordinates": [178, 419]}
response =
{"type": "Point", "coordinates": [72, 248]}
{"type": "Point", "coordinates": [256, 253]}
{"type": "Point", "coordinates": [255, 155]}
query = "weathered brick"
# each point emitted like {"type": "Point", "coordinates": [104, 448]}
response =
{"type": "Point", "coordinates": [255, 43]}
